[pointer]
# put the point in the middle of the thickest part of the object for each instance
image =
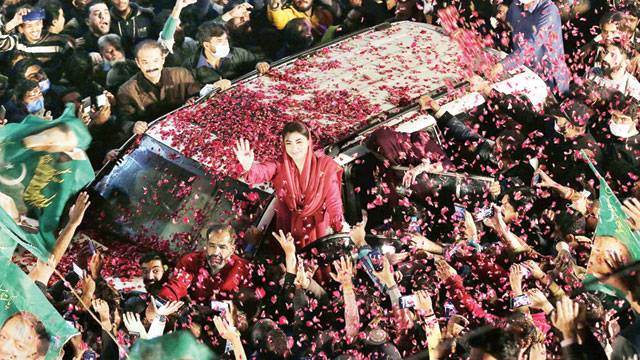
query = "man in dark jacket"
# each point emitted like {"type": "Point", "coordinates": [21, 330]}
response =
{"type": "Point", "coordinates": [217, 60]}
{"type": "Point", "coordinates": [132, 22]}
{"type": "Point", "coordinates": [154, 91]}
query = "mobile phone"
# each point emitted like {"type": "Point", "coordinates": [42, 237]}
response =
{"type": "Point", "coordinates": [449, 310]}
{"type": "Point", "coordinates": [408, 302]}
{"type": "Point", "coordinates": [414, 225]}
{"type": "Point", "coordinates": [219, 306]}
{"type": "Point", "coordinates": [86, 104]}
{"type": "Point", "coordinates": [78, 270]}
{"type": "Point", "coordinates": [71, 323]}
{"type": "Point", "coordinates": [92, 247]}
{"type": "Point", "coordinates": [525, 272]}
{"type": "Point", "coordinates": [367, 265]}
{"type": "Point", "coordinates": [89, 355]}
{"type": "Point", "coordinates": [3, 112]}
{"type": "Point", "coordinates": [376, 259]}
{"type": "Point", "coordinates": [483, 213]}
{"type": "Point", "coordinates": [537, 179]}
{"type": "Point", "coordinates": [458, 214]}
{"type": "Point", "coordinates": [101, 100]}
{"type": "Point", "coordinates": [159, 302]}
{"type": "Point", "coordinates": [519, 301]}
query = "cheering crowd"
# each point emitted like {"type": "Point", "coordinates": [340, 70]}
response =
{"type": "Point", "coordinates": [540, 262]}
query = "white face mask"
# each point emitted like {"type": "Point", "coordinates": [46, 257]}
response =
{"type": "Point", "coordinates": [222, 50]}
{"type": "Point", "coordinates": [621, 130]}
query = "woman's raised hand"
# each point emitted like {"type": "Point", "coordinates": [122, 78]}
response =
{"type": "Point", "coordinates": [244, 153]}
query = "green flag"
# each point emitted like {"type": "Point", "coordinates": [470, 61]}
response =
{"type": "Point", "coordinates": [179, 345]}
{"type": "Point", "coordinates": [612, 230]}
{"type": "Point", "coordinates": [30, 327]}
{"type": "Point", "coordinates": [42, 165]}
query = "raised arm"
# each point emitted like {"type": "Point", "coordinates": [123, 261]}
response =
{"type": "Point", "coordinates": [343, 275]}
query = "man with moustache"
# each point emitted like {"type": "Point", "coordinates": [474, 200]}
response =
{"type": "Point", "coordinates": [155, 271]}
{"type": "Point", "coordinates": [612, 72]}
{"type": "Point", "coordinates": [154, 91]}
{"type": "Point", "coordinates": [213, 273]}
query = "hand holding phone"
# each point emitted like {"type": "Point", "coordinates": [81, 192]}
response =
{"type": "Point", "coordinates": [520, 301]}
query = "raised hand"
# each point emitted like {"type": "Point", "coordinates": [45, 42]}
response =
{"type": "Point", "coordinates": [286, 242]}
{"type": "Point", "coordinates": [444, 271]}
{"type": "Point", "coordinates": [534, 269]}
{"type": "Point", "coordinates": [226, 330]}
{"type": "Point", "coordinates": [244, 153]}
{"type": "Point", "coordinates": [515, 278]}
{"type": "Point", "coordinates": [169, 308]}
{"type": "Point", "coordinates": [386, 274]}
{"type": "Point", "coordinates": [102, 308]}
{"type": "Point", "coordinates": [358, 232]}
{"type": "Point", "coordinates": [76, 213]}
{"type": "Point", "coordinates": [303, 276]}
{"type": "Point", "coordinates": [539, 300]}
{"type": "Point", "coordinates": [631, 207]}
{"type": "Point", "coordinates": [423, 303]}
{"type": "Point", "coordinates": [344, 271]}
{"type": "Point", "coordinates": [565, 317]}
{"type": "Point", "coordinates": [134, 325]}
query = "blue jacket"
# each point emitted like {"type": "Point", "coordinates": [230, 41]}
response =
{"type": "Point", "coordinates": [537, 43]}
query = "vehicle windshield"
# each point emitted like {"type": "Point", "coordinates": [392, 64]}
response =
{"type": "Point", "coordinates": [156, 196]}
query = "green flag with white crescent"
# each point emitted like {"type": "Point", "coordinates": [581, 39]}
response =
{"type": "Point", "coordinates": [42, 165]}
{"type": "Point", "coordinates": [30, 327]}
{"type": "Point", "coordinates": [612, 232]}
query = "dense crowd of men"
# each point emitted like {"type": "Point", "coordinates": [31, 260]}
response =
{"type": "Point", "coordinates": [507, 282]}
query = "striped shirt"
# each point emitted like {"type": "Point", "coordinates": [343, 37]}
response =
{"type": "Point", "coordinates": [46, 49]}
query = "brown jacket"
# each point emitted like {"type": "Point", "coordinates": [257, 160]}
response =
{"type": "Point", "coordinates": [140, 100]}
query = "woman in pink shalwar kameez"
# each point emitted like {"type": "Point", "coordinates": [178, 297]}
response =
{"type": "Point", "coordinates": [307, 185]}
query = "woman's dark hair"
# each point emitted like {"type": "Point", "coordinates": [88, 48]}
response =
{"type": "Point", "coordinates": [209, 30]}
{"type": "Point", "coordinates": [295, 127]}
{"type": "Point", "coordinates": [23, 87]}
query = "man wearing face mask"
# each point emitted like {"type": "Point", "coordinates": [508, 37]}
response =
{"type": "Point", "coordinates": [32, 70]}
{"type": "Point", "coordinates": [622, 144]}
{"type": "Point", "coordinates": [217, 60]}
{"type": "Point", "coordinates": [154, 91]}
{"type": "Point", "coordinates": [612, 72]}
{"type": "Point", "coordinates": [28, 100]}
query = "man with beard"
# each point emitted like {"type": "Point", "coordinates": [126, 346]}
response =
{"type": "Point", "coordinates": [154, 91]}
{"type": "Point", "coordinates": [155, 271]}
{"type": "Point", "coordinates": [612, 73]}
{"type": "Point", "coordinates": [279, 14]}
{"type": "Point", "coordinates": [213, 273]}
{"type": "Point", "coordinates": [98, 21]}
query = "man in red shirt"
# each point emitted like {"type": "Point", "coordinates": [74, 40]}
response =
{"type": "Point", "coordinates": [213, 273]}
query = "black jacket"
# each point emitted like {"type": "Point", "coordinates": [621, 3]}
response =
{"type": "Point", "coordinates": [137, 26]}
{"type": "Point", "coordinates": [237, 63]}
